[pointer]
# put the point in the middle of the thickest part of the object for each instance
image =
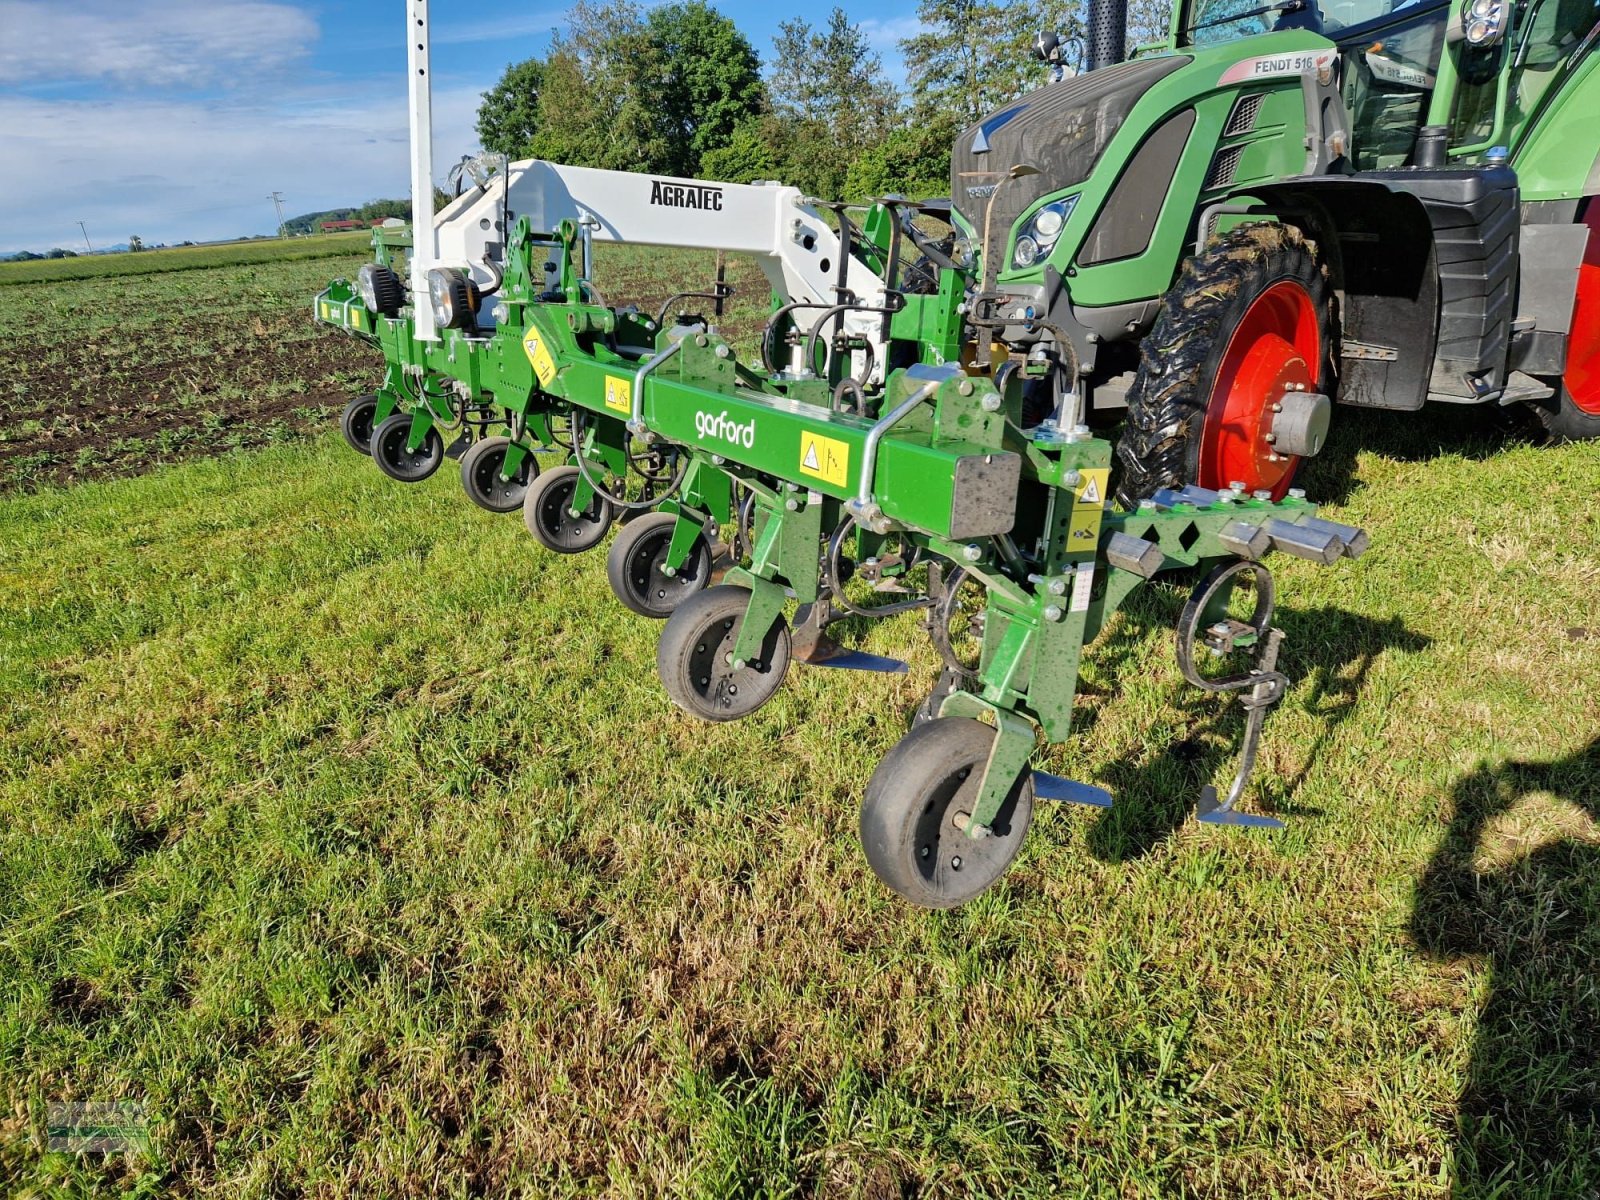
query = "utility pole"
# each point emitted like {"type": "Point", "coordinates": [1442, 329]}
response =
{"type": "Point", "coordinates": [277, 203]}
{"type": "Point", "coordinates": [86, 238]}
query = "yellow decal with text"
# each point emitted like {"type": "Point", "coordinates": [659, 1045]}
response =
{"type": "Point", "coordinates": [1088, 507]}
{"type": "Point", "coordinates": [543, 365]}
{"type": "Point", "coordinates": [825, 458]}
{"type": "Point", "coordinates": [619, 394]}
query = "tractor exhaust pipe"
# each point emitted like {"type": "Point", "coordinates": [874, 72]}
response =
{"type": "Point", "coordinates": [1108, 33]}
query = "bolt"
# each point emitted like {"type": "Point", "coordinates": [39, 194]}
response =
{"type": "Point", "coordinates": [1297, 493]}
{"type": "Point", "coordinates": [722, 352]}
{"type": "Point", "coordinates": [1053, 612]}
{"type": "Point", "coordinates": [1071, 478]}
{"type": "Point", "coordinates": [872, 561]}
{"type": "Point", "coordinates": [1262, 494]}
{"type": "Point", "coordinates": [1056, 587]}
{"type": "Point", "coordinates": [1277, 408]}
{"type": "Point", "coordinates": [1271, 438]}
{"type": "Point", "coordinates": [791, 504]}
{"type": "Point", "coordinates": [1236, 486]}
{"type": "Point", "coordinates": [965, 387]}
{"type": "Point", "coordinates": [991, 402]}
{"type": "Point", "coordinates": [738, 664]}
{"type": "Point", "coordinates": [699, 339]}
{"type": "Point", "coordinates": [717, 460]}
{"type": "Point", "coordinates": [972, 553]}
{"type": "Point", "coordinates": [669, 572]}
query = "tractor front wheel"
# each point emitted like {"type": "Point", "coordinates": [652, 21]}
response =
{"type": "Point", "coordinates": [1233, 379]}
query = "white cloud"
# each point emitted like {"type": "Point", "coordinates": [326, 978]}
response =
{"type": "Point", "coordinates": [886, 35]}
{"type": "Point", "coordinates": [152, 43]}
{"type": "Point", "coordinates": [497, 29]}
{"type": "Point", "coordinates": [170, 170]}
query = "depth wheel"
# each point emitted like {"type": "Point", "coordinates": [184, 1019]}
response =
{"type": "Point", "coordinates": [482, 476]}
{"type": "Point", "coordinates": [914, 815]}
{"type": "Point", "coordinates": [695, 657]}
{"type": "Point", "coordinates": [1233, 378]}
{"type": "Point", "coordinates": [634, 566]}
{"type": "Point", "coordinates": [389, 450]}
{"type": "Point", "coordinates": [356, 423]}
{"type": "Point", "coordinates": [547, 512]}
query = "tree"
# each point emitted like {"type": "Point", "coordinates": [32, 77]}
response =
{"type": "Point", "coordinates": [834, 101]}
{"type": "Point", "coordinates": [749, 153]}
{"type": "Point", "coordinates": [508, 117]}
{"type": "Point", "coordinates": [913, 160]}
{"type": "Point", "coordinates": [973, 56]}
{"type": "Point", "coordinates": [709, 81]}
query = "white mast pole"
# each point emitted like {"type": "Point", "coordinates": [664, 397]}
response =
{"type": "Point", "coordinates": [424, 241]}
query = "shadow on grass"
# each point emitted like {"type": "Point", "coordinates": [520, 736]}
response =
{"type": "Point", "coordinates": [1528, 1121]}
{"type": "Point", "coordinates": [1327, 655]}
{"type": "Point", "coordinates": [1472, 431]}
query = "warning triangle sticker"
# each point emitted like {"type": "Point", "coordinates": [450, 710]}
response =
{"type": "Point", "coordinates": [810, 460]}
{"type": "Point", "coordinates": [1091, 494]}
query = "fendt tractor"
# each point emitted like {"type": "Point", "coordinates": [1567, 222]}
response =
{"type": "Point", "coordinates": [1210, 237]}
{"type": "Point", "coordinates": [1383, 204]}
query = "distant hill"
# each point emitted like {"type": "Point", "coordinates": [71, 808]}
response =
{"type": "Point", "coordinates": [373, 210]}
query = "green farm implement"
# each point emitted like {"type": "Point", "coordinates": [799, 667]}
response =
{"type": "Point", "coordinates": [894, 449]}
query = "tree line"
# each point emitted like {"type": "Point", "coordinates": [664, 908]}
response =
{"type": "Point", "coordinates": [677, 89]}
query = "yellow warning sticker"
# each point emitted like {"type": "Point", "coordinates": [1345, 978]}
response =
{"type": "Point", "coordinates": [543, 365]}
{"type": "Point", "coordinates": [355, 318]}
{"type": "Point", "coordinates": [327, 314]}
{"type": "Point", "coordinates": [619, 394]}
{"type": "Point", "coordinates": [1088, 507]}
{"type": "Point", "coordinates": [825, 458]}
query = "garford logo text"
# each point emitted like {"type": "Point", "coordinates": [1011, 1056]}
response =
{"type": "Point", "coordinates": [717, 425]}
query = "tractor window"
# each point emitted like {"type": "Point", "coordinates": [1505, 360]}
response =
{"type": "Point", "coordinates": [1539, 50]}
{"type": "Point", "coordinates": [1209, 22]}
{"type": "Point", "coordinates": [1388, 80]}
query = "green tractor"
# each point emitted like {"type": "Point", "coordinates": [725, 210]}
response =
{"type": "Point", "coordinates": [1291, 204]}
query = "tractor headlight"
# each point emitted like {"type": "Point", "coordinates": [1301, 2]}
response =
{"type": "Point", "coordinates": [453, 297]}
{"type": "Point", "coordinates": [1040, 233]}
{"type": "Point", "coordinates": [1483, 22]}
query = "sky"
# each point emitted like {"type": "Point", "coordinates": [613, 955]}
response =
{"type": "Point", "coordinates": [175, 119]}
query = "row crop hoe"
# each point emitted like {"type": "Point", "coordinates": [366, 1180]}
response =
{"type": "Point", "coordinates": [891, 451]}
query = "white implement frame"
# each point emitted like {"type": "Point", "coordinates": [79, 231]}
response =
{"type": "Point", "coordinates": [797, 250]}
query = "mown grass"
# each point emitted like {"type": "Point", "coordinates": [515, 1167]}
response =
{"type": "Point", "coordinates": [184, 258]}
{"type": "Point", "coordinates": [351, 833]}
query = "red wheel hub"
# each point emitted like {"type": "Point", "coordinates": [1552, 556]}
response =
{"type": "Point", "coordinates": [1582, 376]}
{"type": "Point", "coordinates": [1275, 349]}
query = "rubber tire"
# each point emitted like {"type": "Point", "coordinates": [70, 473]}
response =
{"type": "Point", "coordinates": [718, 610]}
{"type": "Point", "coordinates": [1563, 420]}
{"type": "Point", "coordinates": [394, 460]}
{"type": "Point", "coordinates": [356, 423]}
{"type": "Point", "coordinates": [481, 480]}
{"type": "Point", "coordinates": [566, 535]}
{"type": "Point", "coordinates": [906, 815]}
{"type": "Point", "coordinates": [1178, 359]}
{"type": "Point", "coordinates": [641, 545]}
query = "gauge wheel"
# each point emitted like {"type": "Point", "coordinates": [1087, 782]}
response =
{"type": "Point", "coordinates": [915, 814]}
{"type": "Point", "coordinates": [356, 423]}
{"type": "Point", "coordinates": [1233, 379]}
{"type": "Point", "coordinates": [695, 657]}
{"type": "Point", "coordinates": [637, 561]}
{"type": "Point", "coordinates": [483, 475]}
{"type": "Point", "coordinates": [395, 459]}
{"type": "Point", "coordinates": [547, 512]}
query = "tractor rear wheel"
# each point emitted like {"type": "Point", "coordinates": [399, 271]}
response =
{"type": "Point", "coordinates": [1573, 413]}
{"type": "Point", "coordinates": [1233, 377]}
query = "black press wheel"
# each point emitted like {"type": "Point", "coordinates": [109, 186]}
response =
{"type": "Point", "coordinates": [356, 424]}
{"type": "Point", "coordinates": [637, 562]}
{"type": "Point", "coordinates": [389, 441]}
{"type": "Point", "coordinates": [914, 816]}
{"type": "Point", "coordinates": [547, 512]}
{"type": "Point", "coordinates": [483, 475]}
{"type": "Point", "coordinates": [695, 657]}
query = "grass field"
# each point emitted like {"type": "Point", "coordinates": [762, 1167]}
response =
{"type": "Point", "coordinates": [185, 258]}
{"type": "Point", "coordinates": [351, 834]}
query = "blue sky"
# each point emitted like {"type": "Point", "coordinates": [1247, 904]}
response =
{"type": "Point", "coordinates": [174, 119]}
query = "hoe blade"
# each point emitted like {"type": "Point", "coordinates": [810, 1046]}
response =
{"type": "Point", "coordinates": [458, 447]}
{"type": "Point", "coordinates": [855, 660]}
{"type": "Point", "coordinates": [1053, 787]}
{"type": "Point", "coordinates": [1210, 812]}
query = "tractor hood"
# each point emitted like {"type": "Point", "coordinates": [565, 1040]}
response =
{"type": "Point", "coordinates": [1060, 129]}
